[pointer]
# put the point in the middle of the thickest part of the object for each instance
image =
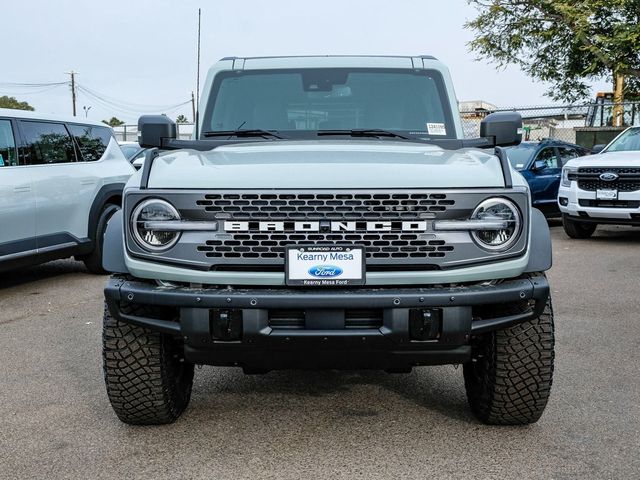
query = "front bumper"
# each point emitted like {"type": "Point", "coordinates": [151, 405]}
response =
{"type": "Point", "coordinates": [586, 213]}
{"type": "Point", "coordinates": [324, 339]}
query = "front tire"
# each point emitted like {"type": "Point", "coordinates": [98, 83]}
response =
{"type": "Point", "coordinates": [577, 229]}
{"type": "Point", "coordinates": [509, 379]}
{"type": "Point", "coordinates": [148, 382]}
{"type": "Point", "coordinates": [93, 261]}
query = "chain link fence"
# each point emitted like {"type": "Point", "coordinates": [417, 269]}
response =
{"type": "Point", "coordinates": [584, 124]}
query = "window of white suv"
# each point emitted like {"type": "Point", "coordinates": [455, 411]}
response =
{"type": "Point", "coordinates": [47, 143]}
{"type": "Point", "coordinates": [92, 141]}
{"type": "Point", "coordinates": [8, 157]}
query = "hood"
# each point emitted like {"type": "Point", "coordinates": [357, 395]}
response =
{"type": "Point", "coordinates": [607, 159]}
{"type": "Point", "coordinates": [326, 164]}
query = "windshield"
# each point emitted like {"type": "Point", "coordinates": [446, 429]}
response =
{"type": "Point", "coordinates": [521, 155]}
{"type": "Point", "coordinates": [306, 101]}
{"type": "Point", "coordinates": [627, 142]}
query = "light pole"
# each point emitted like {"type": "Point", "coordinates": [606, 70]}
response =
{"type": "Point", "coordinates": [86, 110]}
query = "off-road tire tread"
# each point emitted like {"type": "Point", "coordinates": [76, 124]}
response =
{"type": "Point", "coordinates": [576, 229]}
{"type": "Point", "coordinates": [510, 384]}
{"type": "Point", "coordinates": [147, 383]}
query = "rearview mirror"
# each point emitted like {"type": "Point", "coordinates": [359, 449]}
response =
{"type": "Point", "coordinates": [152, 129]}
{"type": "Point", "coordinates": [503, 128]}
{"type": "Point", "coordinates": [598, 148]}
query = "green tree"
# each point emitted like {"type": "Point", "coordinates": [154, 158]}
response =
{"type": "Point", "coordinates": [11, 102]}
{"type": "Point", "coordinates": [567, 43]}
{"type": "Point", "coordinates": [113, 122]}
{"type": "Point", "coordinates": [182, 119]}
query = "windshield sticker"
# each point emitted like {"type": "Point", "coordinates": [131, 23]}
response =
{"type": "Point", "coordinates": [436, 129]}
{"type": "Point", "coordinates": [520, 165]}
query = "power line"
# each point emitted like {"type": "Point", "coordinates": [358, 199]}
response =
{"type": "Point", "coordinates": [105, 101]}
{"type": "Point", "coordinates": [126, 104]}
{"type": "Point", "coordinates": [31, 92]}
{"type": "Point", "coordinates": [31, 85]}
{"type": "Point", "coordinates": [130, 110]}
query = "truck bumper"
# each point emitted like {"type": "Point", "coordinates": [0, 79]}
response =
{"type": "Point", "coordinates": [383, 328]}
{"type": "Point", "coordinates": [583, 206]}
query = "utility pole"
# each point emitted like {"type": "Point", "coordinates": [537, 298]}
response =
{"type": "Point", "coordinates": [73, 90]}
{"type": "Point", "coordinates": [195, 119]}
{"type": "Point", "coordinates": [193, 107]}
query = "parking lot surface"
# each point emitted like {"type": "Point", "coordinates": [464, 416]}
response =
{"type": "Point", "coordinates": [56, 422]}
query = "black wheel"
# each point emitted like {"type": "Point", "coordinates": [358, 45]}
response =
{"type": "Point", "coordinates": [93, 261]}
{"type": "Point", "coordinates": [509, 378]}
{"type": "Point", "coordinates": [577, 229]}
{"type": "Point", "coordinates": [148, 382]}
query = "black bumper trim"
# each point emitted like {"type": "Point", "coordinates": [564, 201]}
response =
{"type": "Point", "coordinates": [534, 288]}
{"type": "Point", "coordinates": [633, 222]}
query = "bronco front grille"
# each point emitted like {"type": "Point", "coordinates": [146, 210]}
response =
{"type": "Point", "coordinates": [395, 227]}
{"type": "Point", "coordinates": [356, 206]}
{"type": "Point", "coordinates": [379, 245]}
{"type": "Point", "coordinates": [312, 206]}
{"type": "Point", "coordinates": [589, 179]}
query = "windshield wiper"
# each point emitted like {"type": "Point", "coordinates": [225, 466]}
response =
{"type": "Point", "coordinates": [243, 133]}
{"type": "Point", "coordinates": [365, 132]}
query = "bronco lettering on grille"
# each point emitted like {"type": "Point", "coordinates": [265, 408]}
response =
{"type": "Point", "coordinates": [333, 226]}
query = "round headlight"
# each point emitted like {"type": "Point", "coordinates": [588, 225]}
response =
{"type": "Point", "coordinates": [145, 225]}
{"type": "Point", "coordinates": [500, 210]}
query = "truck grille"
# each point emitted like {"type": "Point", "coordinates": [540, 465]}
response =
{"type": "Point", "coordinates": [589, 179]}
{"type": "Point", "coordinates": [379, 245]}
{"type": "Point", "coordinates": [394, 244]}
{"type": "Point", "coordinates": [336, 206]}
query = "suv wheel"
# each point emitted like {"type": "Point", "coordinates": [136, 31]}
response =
{"type": "Point", "coordinates": [93, 261]}
{"type": "Point", "coordinates": [509, 378]}
{"type": "Point", "coordinates": [148, 382]}
{"type": "Point", "coordinates": [577, 229]}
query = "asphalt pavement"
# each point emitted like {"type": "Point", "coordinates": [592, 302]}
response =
{"type": "Point", "coordinates": [56, 422]}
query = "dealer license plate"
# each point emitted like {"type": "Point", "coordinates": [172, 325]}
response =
{"type": "Point", "coordinates": [607, 194]}
{"type": "Point", "coordinates": [325, 265]}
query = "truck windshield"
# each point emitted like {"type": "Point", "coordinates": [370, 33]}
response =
{"type": "Point", "coordinates": [305, 101]}
{"type": "Point", "coordinates": [629, 141]}
{"type": "Point", "coordinates": [521, 155]}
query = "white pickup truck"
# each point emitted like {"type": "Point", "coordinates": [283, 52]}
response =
{"type": "Point", "coordinates": [602, 188]}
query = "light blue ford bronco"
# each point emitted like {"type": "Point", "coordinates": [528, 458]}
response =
{"type": "Point", "coordinates": [328, 213]}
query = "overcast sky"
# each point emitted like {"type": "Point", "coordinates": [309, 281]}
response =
{"type": "Point", "coordinates": [141, 54]}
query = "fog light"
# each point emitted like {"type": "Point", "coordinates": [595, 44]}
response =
{"type": "Point", "coordinates": [564, 201]}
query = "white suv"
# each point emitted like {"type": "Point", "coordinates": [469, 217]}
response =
{"type": "Point", "coordinates": [602, 188]}
{"type": "Point", "coordinates": [61, 179]}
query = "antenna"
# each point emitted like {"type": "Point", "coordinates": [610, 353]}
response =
{"type": "Point", "coordinates": [198, 75]}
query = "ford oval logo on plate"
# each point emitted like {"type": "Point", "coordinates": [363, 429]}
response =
{"type": "Point", "coordinates": [325, 271]}
{"type": "Point", "coordinates": [609, 177]}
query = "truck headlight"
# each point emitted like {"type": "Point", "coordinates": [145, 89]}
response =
{"type": "Point", "coordinates": [501, 210]}
{"type": "Point", "coordinates": [566, 171]}
{"type": "Point", "coordinates": [146, 225]}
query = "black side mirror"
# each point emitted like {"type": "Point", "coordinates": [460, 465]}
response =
{"type": "Point", "coordinates": [539, 165]}
{"type": "Point", "coordinates": [598, 148]}
{"type": "Point", "coordinates": [152, 129]}
{"type": "Point", "coordinates": [503, 128]}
